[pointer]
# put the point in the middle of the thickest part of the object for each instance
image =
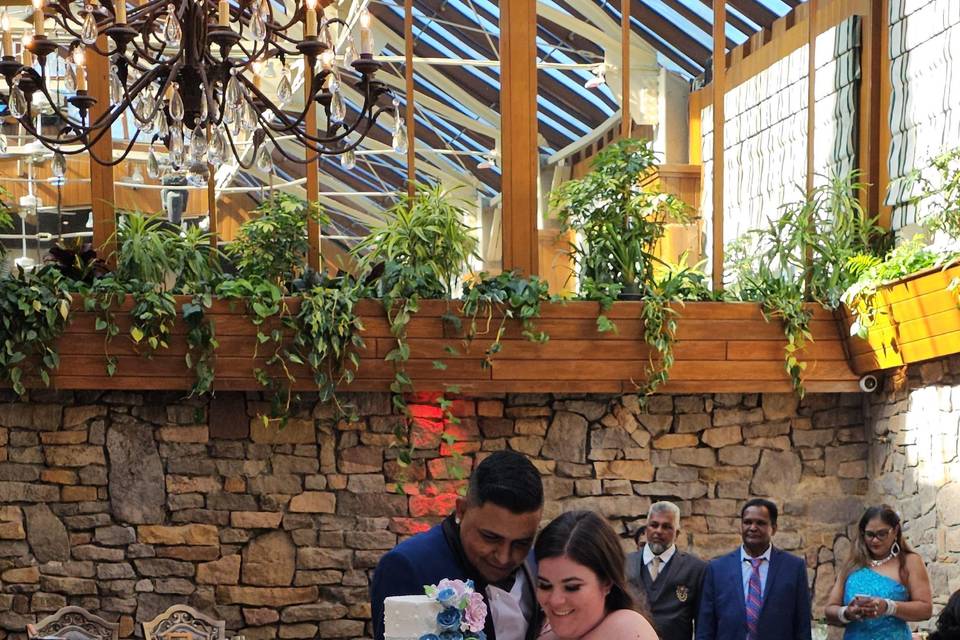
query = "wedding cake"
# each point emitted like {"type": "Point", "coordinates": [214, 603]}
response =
{"type": "Point", "coordinates": [409, 617]}
{"type": "Point", "coordinates": [451, 608]}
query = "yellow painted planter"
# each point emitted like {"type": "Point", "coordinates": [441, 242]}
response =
{"type": "Point", "coordinates": [917, 319]}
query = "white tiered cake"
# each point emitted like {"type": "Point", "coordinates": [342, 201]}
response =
{"type": "Point", "coordinates": [409, 617]}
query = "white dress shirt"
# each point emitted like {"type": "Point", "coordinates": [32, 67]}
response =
{"type": "Point", "coordinates": [508, 609]}
{"type": "Point", "coordinates": [746, 569]}
{"type": "Point", "coordinates": [649, 555]}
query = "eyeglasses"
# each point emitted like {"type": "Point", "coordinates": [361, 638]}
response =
{"type": "Point", "coordinates": [878, 535]}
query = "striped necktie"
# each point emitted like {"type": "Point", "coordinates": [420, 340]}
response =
{"type": "Point", "coordinates": [754, 598]}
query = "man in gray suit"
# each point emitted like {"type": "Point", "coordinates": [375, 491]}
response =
{"type": "Point", "coordinates": [670, 578]}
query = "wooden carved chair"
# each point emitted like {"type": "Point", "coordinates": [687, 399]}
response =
{"type": "Point", "coordinates": [181, 622]}
{"type": "Point", "coordinates": [75, 623]}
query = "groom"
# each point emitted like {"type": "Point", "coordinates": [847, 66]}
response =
{"type": "Point", "coordinates": [486, 540]}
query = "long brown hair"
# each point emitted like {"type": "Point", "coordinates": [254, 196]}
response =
{"type": "Point", "coordinates": [588, 539]}
{"type": "Point", "coordinates": [860, 555]}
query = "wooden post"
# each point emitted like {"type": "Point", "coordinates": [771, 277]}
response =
{"type": "Point", "coordinates": [884, 212]}
{"type": "Point", "coordinates": [312, 174]}
{"type": "Point", "coordinates": [518, 106]}
{"type": "Point", "coordinates": [101, 176]}
{"type": "Point", "coordinates": [411, 113]}
{"type": "Point", "coordinates": [719, 89]}
{"type": "Point", "coordinates": [626, 124]}
{"type": "Point", "coordinates": [870, 116]}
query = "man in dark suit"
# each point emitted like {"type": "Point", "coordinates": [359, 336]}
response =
{"type": "Point", "coordinates": [486, 539]}
{"type": "Point", "coordinates": [669, 577]}
{"type": "Point", "coordinates": [757, 592]}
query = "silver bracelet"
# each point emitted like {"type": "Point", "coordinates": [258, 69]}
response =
{"type": "Point", "coordinates": [891, 608]}
{"type": "Point", "coordinates": [842, 615]}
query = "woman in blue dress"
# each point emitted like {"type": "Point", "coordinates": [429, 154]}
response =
{"type": "Point", "coordinates": [884, 583]}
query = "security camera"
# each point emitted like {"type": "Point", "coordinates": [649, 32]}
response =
{"type": "Point", "coordinates": [869, 383]}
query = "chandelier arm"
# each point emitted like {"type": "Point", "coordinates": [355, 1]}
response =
{"type": "Point", "coordinates": [115, 161]}
{"type": "Point", "coordinates": [143, 85]}
{"type": "Point", "coordinates": [318, 152]}
{"type": "Point", "coordinates": [236, 154]}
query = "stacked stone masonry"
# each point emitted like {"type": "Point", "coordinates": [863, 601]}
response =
{"type": "Point", "coordinates": [128, 503]}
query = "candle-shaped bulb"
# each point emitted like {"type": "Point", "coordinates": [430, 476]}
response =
{"type": "Point", "coordinates": [327, 58]}
{"type": "Point", "coordinates": [311, 19]}
{"type": "Point", "coordinates": [120, 11]}
{"type": "Point", "coordinates": [366, 35]}
{"type": "Point", "coordinates": [79, 58]}
{"type": "Point", "coordinates": [223, 13]}
{"type": "Point", "coordinates": [38, 18]}
{"type": "Point", "coordinates": [7, 35]}
{"type": "Point", "coordinates": [25, 57]}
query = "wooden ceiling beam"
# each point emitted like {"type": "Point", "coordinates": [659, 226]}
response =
{"type": "Point", "coordinates": [734, 21]}
{"type": "Point", "coordinates": [680, 40]}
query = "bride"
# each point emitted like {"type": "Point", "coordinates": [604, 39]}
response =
{"type": "Point", "coordinates": [581, 585]}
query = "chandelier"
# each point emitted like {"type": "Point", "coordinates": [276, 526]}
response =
{"type": "Point", "coordinates": [186, 71]}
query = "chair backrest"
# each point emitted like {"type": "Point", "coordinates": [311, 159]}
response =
{"type": "Point", "coordinates": [76, 623]}
{"type": "Point", "coordinates": [181, 622]}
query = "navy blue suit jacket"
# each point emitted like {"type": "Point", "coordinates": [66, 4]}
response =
{"type": "Point", "coordinates": [785, 614]}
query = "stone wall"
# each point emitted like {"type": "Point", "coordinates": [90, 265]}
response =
{"type": "Point", "coordinates": [914, 464]}
{"type": "Point", "coordinates": [127, 503]}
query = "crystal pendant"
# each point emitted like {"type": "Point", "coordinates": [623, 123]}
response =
{"type": "Point", "coordinates": [160, 124]}
{"type": "Point", "coordinates": [338, 109]}
{"type": "Point", "coordinates": [350, 54]}
{"type": "Point", "coordinates": [258, 25]}
{"type": "Point", "coordinates": [3, 143]}
{"type": "Point", "coordinates": [171, 28]}
{"type": "Point", "coordinates": [284, 89]}
{"type": "Point", "coordinates": [88, 32]}
{"type": "Point", "coordinates": [198, 143]}
{"type": "Point", "coordinates": [229, 114]}
{"type": "Point", "coordinates": [325, 37]}
{"type": "Point", "coordinates": [153, 165]}
{"type": "Point", "coordinates": [70, 79]}
{"type": "Point", "coordinates": [216, 150]}
{"type": "Point", "coordinates": [348, 160]}
{"type": "Point", "coordinates": [233, 93]}
{"type": "Point", "coordinates": [264, 158]}
{"type": "Point", "coordinates": [116, 87]}
{"type": "Point", "coordinates": [399, 135]}
{"type": "Point", "coordinates": [176, 104]}
{"type": "Point", "coordinates": [249, 120]}
{"type": "Point", "coordinates": [204, 106]}
{"type": "Point", "coordinates": [176, 146]}
{"type": "Point", "coordinates": [141, 112]}
{"type": "Point", "coordinates": [59, 165]}
{"type": "Point", "coordinates": [17, 103]}
{"type": "Point", "coordinates": [334, 85]}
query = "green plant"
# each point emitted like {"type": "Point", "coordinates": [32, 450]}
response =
{"type": "Point", "coordinates": [427, 241]}
{"type": "Point", "coordinates": [811, 252]}
{"type": "Point", "coordinates": [617, 220]}
{"type": "Point", "coordinates": [34, 309]}
{"type": "Point", "coordinates": [201, 342]}
{"type": "Point", "coordinates": [273, 245]}
{"type": "Point", "coordinates": [941, 193]}
{"type": "Point", "coordinates": [507, 292]}
{"type": "Point", "coordinates": [326, 331]}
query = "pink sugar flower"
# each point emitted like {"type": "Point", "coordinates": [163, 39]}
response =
{"type": "Point", "coordinates": [476, 613]}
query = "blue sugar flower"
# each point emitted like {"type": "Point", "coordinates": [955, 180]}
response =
{"type": "Point", "coordinates": [446, 597]}
{"type": "Point", "coordinates": [429, 636]}
{"type": "Point", "coordinates": [451, 635]}
{"type": "Point", "coordinates": [448, 619]}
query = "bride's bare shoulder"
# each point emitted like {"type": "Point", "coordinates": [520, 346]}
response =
{"type": "Point", "coordinates": [624, 624]}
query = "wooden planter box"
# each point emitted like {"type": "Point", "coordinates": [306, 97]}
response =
{"type": "Point", "coordinates": [917, 319]}
{"type": "Point", "coordinates": [722, 347]}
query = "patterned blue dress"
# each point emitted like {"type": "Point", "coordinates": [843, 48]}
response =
{"type": "Point", "coordinates": [867, 582]}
